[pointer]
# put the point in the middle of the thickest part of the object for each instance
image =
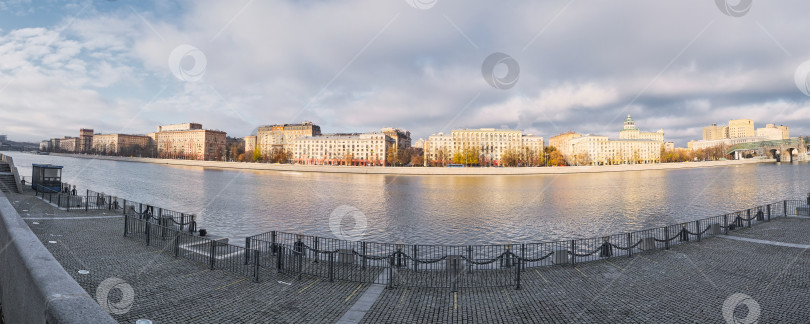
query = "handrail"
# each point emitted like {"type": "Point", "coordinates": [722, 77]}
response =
{"type": "Point", "coordinates": [10, 161]}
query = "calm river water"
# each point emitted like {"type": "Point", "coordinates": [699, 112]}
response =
{"type": "Point", "coordinates": [436, 209]}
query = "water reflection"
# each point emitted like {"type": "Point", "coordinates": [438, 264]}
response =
{"type": "Point", "coordinates": [437, 209]}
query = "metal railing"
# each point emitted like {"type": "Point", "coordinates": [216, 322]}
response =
{"type": "Point", "coordinates": [97, 201]}
{"type": "Point", "coordinates": [215, 254]}
{"type": "Point", "coordinates": [467, 266]}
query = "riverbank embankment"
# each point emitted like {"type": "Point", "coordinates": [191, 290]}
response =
{"type": "Point", "coordinates": [426, 170]}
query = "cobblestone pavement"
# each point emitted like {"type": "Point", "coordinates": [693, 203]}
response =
{"type": "Point", "coordinates": [170, 290]}
{"type": "Point", "coordinates": [687, 284]}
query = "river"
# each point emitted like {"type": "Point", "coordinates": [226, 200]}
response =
{"type": "Point", "coordinates": [436, 209]}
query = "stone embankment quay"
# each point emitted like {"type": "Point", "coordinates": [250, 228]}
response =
{"type": "Point", "coordinates": [426, 170]}
{"type": "Point", "coordinates": [695, 282]}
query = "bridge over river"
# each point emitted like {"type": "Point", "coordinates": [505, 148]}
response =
{"type": "Point", "coordinates": [794, 149]}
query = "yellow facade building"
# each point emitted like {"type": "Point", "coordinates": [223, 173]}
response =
{"type": "Point", "coordinates": [741, 128]}
{"type": "Point", "coordinates": [119, 143]}
{"type": "Point", "coordinates": [275, 137]}
{"type": "Point", "coordinates": [491, 144]}
{"type": "Point", "coordinates": [189, 141]}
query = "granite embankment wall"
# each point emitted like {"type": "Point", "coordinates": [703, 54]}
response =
{"type": "Point", "coordinates": [34, 288]}
{"type": "Point", "coordinates": [427, 170]}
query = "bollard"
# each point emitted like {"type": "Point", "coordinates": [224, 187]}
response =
{"type": "Point", "coordinates": [126, 225]}
{"type": "Point", "coordinates": [697, 225]}
{"type": "Point", "coordinates": [68, 203]}
{"type": "Point", "coordinates": [182, 221]}
{"type": "Point", "coordinates": [666, 237]}
{"type": "Point", "coordinates": [256, 266]}
{"type": "Point", "coordinates": [247, 249]}
{"type": "Point", "coordinates": [769, 212]}
{"type": "Point", "coordinates": [748, 216]}
{"type": "Point", "coordinates": [212, 258]}
{"type": "Point", "coordinates": [331, 267]}
{"type": "Point", "coordinates": [760, 216]}
{"type": "Point", "coordinates": [725, 223]}
{"type": "Point", "coordinates": [784, 208]}
{"type": "Point", "coordinates": [59, 200]}
{"type": "Point", "coordinates": [124, 210]}
{"type": "Point", "coordinates": [684, 234]}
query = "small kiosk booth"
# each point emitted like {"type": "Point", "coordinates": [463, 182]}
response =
{"type": "Point", "coordinates": [46, 178]}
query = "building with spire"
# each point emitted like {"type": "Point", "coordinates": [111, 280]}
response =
{"type": "Point", "coordinates": [632, 147]}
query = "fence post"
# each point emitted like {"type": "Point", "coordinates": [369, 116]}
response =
{"type": "Point", "coordinates": [697, 225]}
{"type": "Point", "coordinates": [124, 210]}
{"type": "Point", "coordinates": [182, 221]}
{"type": "Point", "coordinates": [725, 223]}
{"type": "Point", "coordinates": [629, 244]}
{"type": "Point", "coordinates": [415, 264]}
{"type": "Point", "coordinates": [177, 244]}
{"type": "Point", "coordinates": [573, 252]}
{"type": "Point", "coordinates": [212, 261]}
{"type": "Point", "coordinates": [255, 265]}
{"type": "Point", "coordinates": [316, 250]}
{"type": "Point", "coordinates": [769, 212]}
{"type": "Point", "coordinates": [784, 209]}
{"type": "Point", "coordinates": [390, 271]}
{"type": "Point", "coordinates": [148, 233]}
{"type": "Point", "coordinates": [279, 259]}
{"type": "Point", "coordinates": [126, 225]}
{"type": "Point", "coordinates": [666, 237]}
{"type": "Point", "coordinates": [748, 216]}
{"type": "Point", "coordinates": [300, 259]}
{"type": "Point", "coordinates": [68, 202]}
{"type": "Point", "coordinates": [469, 258]}
{"type": "Point", "coordinates": [273, 242]}
{"type": "Point", "coordinates": [59, 200]}
{"type": "Point", "coordinates": [363, 251]}
{"type": "Point", "coordinates": [517, 272]}
{"type": "Point", "coordinates": [332, 267]}
{"type": "Point", "coordinates": [140, 210]}
{"type": "Point", "coordinates": [247, 249]}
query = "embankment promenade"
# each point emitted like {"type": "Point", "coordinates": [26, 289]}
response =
{"type": "Point", "coordinates": [425, 170]}
{"type": "Point", "coordinates": [747, 275]}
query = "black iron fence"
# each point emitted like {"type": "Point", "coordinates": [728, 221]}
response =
{"type": "Point", "coordinates": [466, 266]}
{"type": "Point", "coordinates": [217, 255]}
{"type": "Point", "coordinates": [99, 201]}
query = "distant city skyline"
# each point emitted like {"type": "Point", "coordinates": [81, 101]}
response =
{"type": "Point", "coordinates": [544, 68]}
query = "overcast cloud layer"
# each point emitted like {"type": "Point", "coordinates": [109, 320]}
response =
{"type": "Point", "coordinates": [355, 66]}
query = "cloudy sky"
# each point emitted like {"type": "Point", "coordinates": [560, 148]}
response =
{"type": "Point", "coordinates": [545, 67]}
